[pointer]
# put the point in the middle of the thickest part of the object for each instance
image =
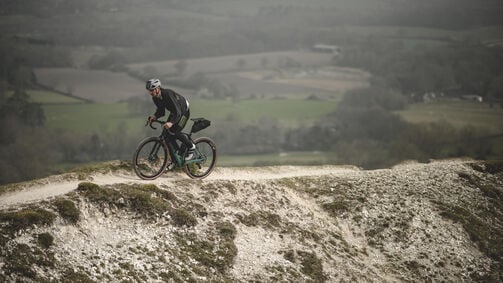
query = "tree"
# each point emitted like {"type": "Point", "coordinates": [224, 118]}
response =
{"type": "Point", "coordinates": [496, 88]}
{"type": "Point", "coordinates": [374, 96]}
{"type": "Point", "coordinates": [21, 77]}
{"type": "Point", "coordinates": [18, 106]}
{"type": "Point", "coordinates": [3, 91]}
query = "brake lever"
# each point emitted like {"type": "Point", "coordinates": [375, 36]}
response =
{"type": "Point", "coordinates": [149, 123]}
{"type": "Point", "coordinates": [160, 122]}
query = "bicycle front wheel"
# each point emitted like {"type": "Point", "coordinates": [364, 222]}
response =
{"type": "Point", "coordinates": [205, 159]}
{"type": "Point", "coordinates": [150, 158]}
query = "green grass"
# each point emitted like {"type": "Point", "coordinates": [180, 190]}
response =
{"type": "Point", "coordinates": [25, 218]}
{"type": "Point", "coordinates": [399, 31]}
{"type": "Point", "coordinates": [408, 32]}
{"type": "Point", "coordinates": [49, 97]}
{"type": "Point", "coordinates": [458, 113]}
{"type": "Point", "coordinates": [91, 117]}
{"type": "Point", "coordinates": [288, 112]}
{"type": "Point", "coordinates": [107, 117]}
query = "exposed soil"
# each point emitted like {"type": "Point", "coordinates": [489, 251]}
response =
{"type": "Point", "coordinates": [415, 222]}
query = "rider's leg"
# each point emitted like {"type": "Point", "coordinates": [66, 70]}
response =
{"type": "Point", "coordinates": [188, 143]}
{"type": "Point", "coordinates": [177, 130]}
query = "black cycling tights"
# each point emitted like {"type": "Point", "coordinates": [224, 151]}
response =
{"type": "Point", "coordinates": [181, 137]}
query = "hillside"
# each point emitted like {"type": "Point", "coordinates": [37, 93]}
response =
{"type": "Point", "coordinates": [440, 221]}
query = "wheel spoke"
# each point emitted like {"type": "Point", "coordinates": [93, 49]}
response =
{"type": "Point", "coordinates": [206, 153]}
{"type": "Point", "coordinates": [150, 159]}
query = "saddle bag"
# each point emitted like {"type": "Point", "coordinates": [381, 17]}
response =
{"type": "Point", "coordinates": [200, 124]}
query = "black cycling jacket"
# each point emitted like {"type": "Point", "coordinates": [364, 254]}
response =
{"type": "Point", "coordinates": [175, 103]}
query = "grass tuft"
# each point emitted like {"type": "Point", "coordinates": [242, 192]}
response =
{"type": "Point", "coordinates": [226, 230]}
{"type": "Point", "coordinates": [337, 206]}
{"type": "Point", "coordinates": [45, 240]}
{"type": "Point", "coordinates": [143, 199]}
{"type": "Point", "coordinates": [489, 166]}
{"type": "Point", "coordinates": [217, 255]}
{"type": "Point", "coordinates": [311, 265]}
{"type": "Point", "coordinates": [67, 209]}
{"type": "Point", "coordinates": [26, 218]}
{"type": "Point", "coordinates": [22, 260]}
{"type": "Point", "coordinates": [104, 167]}
{"type": "Point", "coordinates": [182, 217]}
{"type": "Point", "coordinates": [71, 275]}
{"type": "Point", "coordinates": [263, 218]}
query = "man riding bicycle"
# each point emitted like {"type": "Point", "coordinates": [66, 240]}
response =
{"type": "Point", "coordinates": [179, 114]}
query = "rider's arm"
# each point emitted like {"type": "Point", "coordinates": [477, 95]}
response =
{"type": "Point", "coordinates": [159, 112]}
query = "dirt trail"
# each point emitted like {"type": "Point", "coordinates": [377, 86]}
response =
{"type": "Point", "coordinates": [53, 188]}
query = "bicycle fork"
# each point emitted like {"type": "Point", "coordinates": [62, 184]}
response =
{"type": "Point", "coordinates": [153, 153]}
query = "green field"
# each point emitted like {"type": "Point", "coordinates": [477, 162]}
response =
{"type": "Point", "coordinates": [49, 97]}
{"type": "Point", "coordinates": [228, 63]}
{"type": "Point", "coordinates": [107, 117]}
{"type": "Point", "coordinates": [95, 85]}
{"type": "Point", "coordinates": [458, 113]}
{"type": "Point", "coordinates": [287, 112]}
{"type": "Point", "coordinates": [90, 118]}
{"type": "Point", "coordinates": [114, 117]}
{"type": "Point", "coordinates": [408, 32]}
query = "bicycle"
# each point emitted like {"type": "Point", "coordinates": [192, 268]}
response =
{"type": "Point", "coordinates": [156, 155]}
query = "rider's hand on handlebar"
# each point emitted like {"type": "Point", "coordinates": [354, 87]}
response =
{"type": "Point", "coordinates": [151, 118]}
{"type": "Point", "coordinates": [168, 125]}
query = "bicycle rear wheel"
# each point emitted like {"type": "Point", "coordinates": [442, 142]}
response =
{"type": "Point", "coordinates": [206, 154]}
{"type": "Point", "coordinates": [150, 158]}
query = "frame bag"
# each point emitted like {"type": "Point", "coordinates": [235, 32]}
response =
{"type": "Point", "coordinates": [200, 124]}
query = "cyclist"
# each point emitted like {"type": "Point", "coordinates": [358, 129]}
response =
{"type": "Point", "coordinates": [179, 114]}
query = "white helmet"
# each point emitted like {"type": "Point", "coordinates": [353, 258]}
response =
{"type": "Point", "coordinates": [153, 83]}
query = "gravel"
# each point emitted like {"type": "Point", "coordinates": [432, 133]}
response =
{"type": "Point", "coordinates": [293, 223]}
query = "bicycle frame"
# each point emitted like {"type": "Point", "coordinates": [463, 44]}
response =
{"type": "Point", "coordinates": [148, 164]}
{"type": "Point", "coordinates": [174, 148]}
